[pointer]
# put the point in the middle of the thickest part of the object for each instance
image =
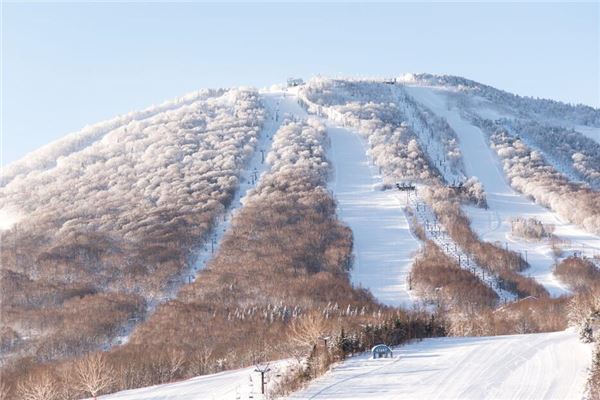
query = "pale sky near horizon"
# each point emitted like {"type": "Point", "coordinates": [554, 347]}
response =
{"type": "Point", "coordinates": [65, 65]}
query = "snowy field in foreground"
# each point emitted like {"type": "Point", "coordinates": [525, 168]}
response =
{"type": "Point", "coordinates": [505, 203]}
{"type": "Point", "coordinates": [223, 386]}
{"type": "Point", "coordinates": [535, 366]}
{"type": "Point", "coordinates": [239, 384]}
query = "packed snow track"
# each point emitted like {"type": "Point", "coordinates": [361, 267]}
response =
{"type": "Point", "coordinates": [535, 366]}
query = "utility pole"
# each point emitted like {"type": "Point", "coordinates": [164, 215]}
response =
{"type": "Point", "coordinates": [325, 339]}
{"type": "Point", "coordinates": [262, 370]}
{"type": "Point", "coordinates": [15, 248]}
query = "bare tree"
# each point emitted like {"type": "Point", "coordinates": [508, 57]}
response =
{"type": "Point", "coordinates": [3, 390]}
{"type": "Point", "coordinates": [93, 374]}
{"type": "Point", "coordinates": [36, 387]}
{"type": "Point", "coordinates": [307, 330]}
{"type": "Point", "coordinates": [201, 360]}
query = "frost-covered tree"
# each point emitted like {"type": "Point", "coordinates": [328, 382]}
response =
{"type": "Point", "coordinates": [373, 110]}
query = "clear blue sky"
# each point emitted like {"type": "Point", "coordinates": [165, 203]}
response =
{"type": "Point", "coordinates": [67, 65]}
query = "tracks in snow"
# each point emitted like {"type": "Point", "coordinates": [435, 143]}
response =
{"type": "Point", "coordinates": [534, 366]}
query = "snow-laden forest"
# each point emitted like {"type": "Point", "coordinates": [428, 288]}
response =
{"type": "Point", "coordinates": [110, 226]}
{"type": "Point", "coordinates": [222, 230]}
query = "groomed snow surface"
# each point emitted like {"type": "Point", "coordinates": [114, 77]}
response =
{"type": "Point", "coordinates": [383, 243]}
{"type": "Point", "coordinates": [536, 366]}
{"type": "Point", "coordinates": [239, 384]}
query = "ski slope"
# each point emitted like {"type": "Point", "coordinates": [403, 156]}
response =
{"type": "Point", "coordinates": [504, 202]}
{"type": "Point", "coordinates": [240, 384]}
{"type": "Point", "coordinates": [383, 243]}
{"type": "Point", "coordinates": [535, 366]}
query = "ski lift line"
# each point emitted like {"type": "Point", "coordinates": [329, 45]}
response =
{"type": "Point", "coordinates": [254, 164]}
{"type": "Point", "coordinates": [440, 237]}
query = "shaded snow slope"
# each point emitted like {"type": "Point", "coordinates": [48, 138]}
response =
{"type": "Point", "coordinates": [383, 243]}
{"type": "Point", "coordinates": [535, 366]}
{"type": "Point", "coordinates": [505, 203]}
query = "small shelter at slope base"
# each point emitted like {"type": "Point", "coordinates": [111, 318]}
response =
{"type": "Point", "coordinates": [382, 351]}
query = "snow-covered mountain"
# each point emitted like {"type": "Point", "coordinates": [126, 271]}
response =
{"type": "Point", "coordinates": [235, 226]}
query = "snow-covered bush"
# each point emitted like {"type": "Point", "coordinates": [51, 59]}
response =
{"type": "Point", "coordinates": [531, 228]}
{"type": "Point", "coordinates": [474, 192]}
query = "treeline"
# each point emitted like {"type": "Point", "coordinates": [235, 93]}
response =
{"type": "Point", "coordinates": [530, 174]}
{"type": "Point", "coordinates": [47, 156]}
{"type": "Point", "coordinates": [112, 225]}
{"type": "Point", "coordinates": [284, 261]}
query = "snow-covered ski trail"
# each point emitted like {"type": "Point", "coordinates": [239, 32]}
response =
{"type": "Point", "coordinates": [240, 384]}
{"type": "Point", "coordinates": [384, 246]}
{"type": "Point", "coordinates": [534, 366]}
{"type": "Point", "coordinates": [504, 202]}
